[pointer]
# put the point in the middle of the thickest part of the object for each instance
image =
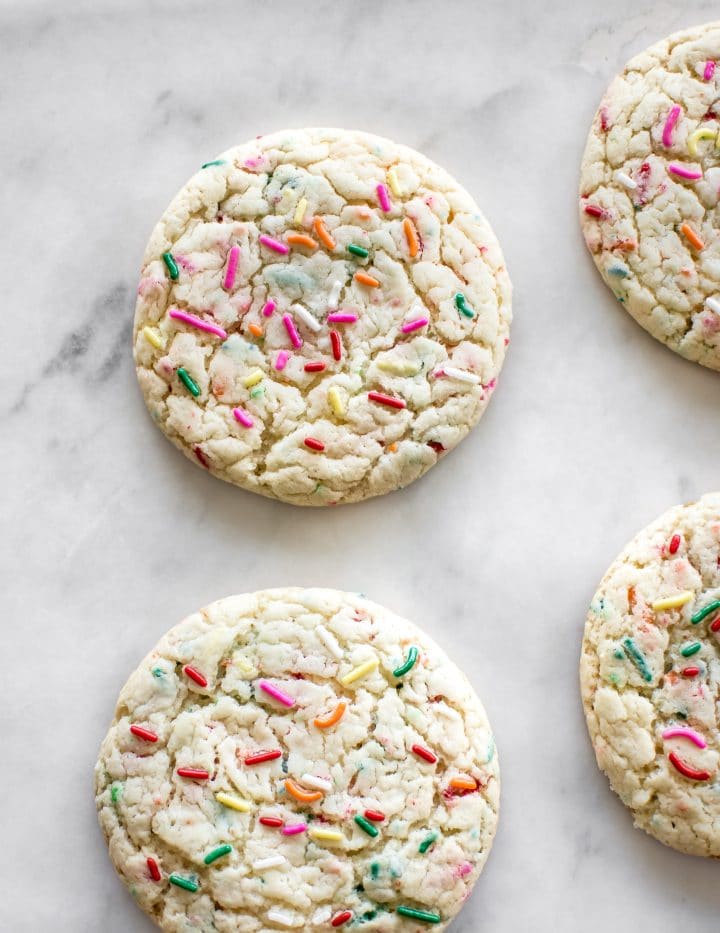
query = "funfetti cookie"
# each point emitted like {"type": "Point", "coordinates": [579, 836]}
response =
{"type": "Point", "coordinates": [298, 760]}
{"type": "Point", "coordinates": [650, 677]}
{"type": "Point", "coordinates": [322, 315]}
{"type": "Point", "coordinates": [649, 191]}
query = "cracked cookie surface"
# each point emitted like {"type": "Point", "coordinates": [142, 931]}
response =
{"type": "Point", "coordinates": [298, 759]}
{"type": "Point", "coordinates": [321, 315]}
{"type": "Point", "coordinates": [649, 191]}
{"type": "Point", "coordinates": [650, 677]}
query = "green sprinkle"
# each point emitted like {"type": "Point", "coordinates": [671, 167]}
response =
{"type": "Point", "coordinates": [412, 657]}
{"type": "Point", "coordinates": [462, 305]}
{"type": "Point", "coordinates": [367, 826]}
{"type": "Point", "coordinates": [703, 613]}
{"type": "Point", "coordinates": [637, 658]}
{"type": "Point", "coordinates": [158, 672]}
{"type": "Point", "coordinates": [259, 391]}
{"type": "Point", "coordinates": [687, 650]}
{"type": "Point", "coordinates": [116, 792]}
{"type": "Point", "coordinates": [217, 853]}
{"type": "Point", "coordinates": [171, 264]}
{"type": "Point", "coordinates": [190, 384]}
{"type": "Point", "coordinates": [426, 843]}
{"type": "Point", "coordinates": [374, 869]}
{"type": "Point", "coordinates": [418, 914]}
{"type": "Point", "coordinates": [619, 271]}
{"type": "Point", "coordinates": [619, 654]}
{"type": "Point", "coordinates": [187, 883]}
{"type": "Point", "coordinates": [358, 250]}
{"type": "Point", "coordinates": [214, 162]}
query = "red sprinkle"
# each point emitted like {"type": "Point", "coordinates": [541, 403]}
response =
{"type": "Point", "coordinates": [593, 210]}
{"type": "Point", "coordinates": [715, 626]}
{"type": "Point", "coordinates": [425, 754]}
{"type": "Point", "coordinates": [386, 400]}
{"type": "Point", "coordinates": [314, 366]}
{"type": "Point", "coordinates": [686, 770]}
{"type": "Point", "coordinates": [375, 815]}
{"type": "Point", "coordinates": [313, 443]}
{"type": "Point", "coordinates": [197, 774]}
{"type": "Point", "coordinates": [200, 454]}
{"type": "Point", "coordinates": [143, 733]}
{"type": "Point", "coordinates": [342, 918]}
{"type": "Point", "coordinates": [154, 869]}
{"type": "Point", "coordinates": [690, 671]}
{"type": "Point", "coordinates": [195, 675]}
{"type": "Point", "coordinates": [273, 821]}
{"type": "Point", "coordinates": [263, 756]}
{"type": "Point", "coordinates": [436, 446]}
{"type": "Point", "coordinates": [674, 544]}
{"type": "Point", "coordinates": [336, 345]}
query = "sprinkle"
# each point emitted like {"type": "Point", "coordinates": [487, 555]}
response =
{"type": "Point", "coordinates": [253, 379]}
{"type": "Point", "coordinates": [294, 789]}
{"type": "Point", "coordinates": [461, 375]}
{"type": "Point", "coordinates": [190, 384]}
{"type": "Point", "coordinates": [414, 914]}
{"type": "Point", "coordinates": [317, 782]}
{"type": "Point", "coordinates": [366, 826]}
{"type": "Point", "coordinates": [384, 199]}
{"type": "Point", "coordinates": [342, 317]}
{"type": "Point", "coordinates": [427, 842]}
{"type": "Point", "coordinates": [262, 757]}
{"type": "Point", "coordinates": [683, 732]}
{"type": "Point", "coordinates": [187, 883]}
{"type": "Point", "coordinates": [364, 279]}
{"type": "Point", "coordinates": [255, 330]}
{"type": "Point", "coordinates": [463, 783]}
{"type": "Point", "coordinates": [336, 344]}
{"type": "Point", "coordinates": [243, 417]}
{"type": "Point", "coordinates": [195, 675]}
{"type": "Point", "coordinates": [594, 211]}
{"type": "Point", "coordinates": [362, 670]}
{"type": "Point", "coordinates": [375, 815]}
{"type": "Point", "coordinates": [398, 367]}
{"type": "Point", "coordinates": [145, 734]}
{"type": "Point", "coordinates": [703, 132]}
{"type": "Point", "coordinates": [686, 770]}
{"type": "Point", "coordinates": [462, 306]}
{"type": "Point", "coordinates": [195, 774]}
{"type": "Point", "coordinates": [300, 212]}
{"type": "Point", "coordinates": [713, 304]}
{"type": "Point", "coordinates": [283, 917]}
{"type": "Point", "coordinates": [687, 651]}
{"type": "Point", "coordinates": [415, 324]}
{"type": "Point", "coordinates": [172, 268]}
{"type": "Point", "coordinates": [275, 245]}
{"type": "Point", "coordinates": [638, 659]}
{"type": "Point", "coordinates": [334, 296]}
{"type": "Point", "coordinates": [269, 307]}
{"type": "Point", "coordinates": [295, 829]}
{"type": "Point", "coordinates": [302, 239]}
{"type": "Point", "coordinates": [231, 267]}
{"type": "Point", "coordinates": [272, 861]}
{"type": "Point", "coordinates": [425, 754]}
{"type": "Point", "coordinates": [672, 602]}
{"type": "Point", "coordinates": [411, 237]}
{"type": "Point", "coordinates": [358, 250]}
{"type": "Point", "coordinates": [625, 180]}
{"type": "Point", "coordinates": [336, 402]}
{"type": "Point", "coordinates": [154, 869]}
{"type": "Point", "coordinates": [276, 694]}
{"type": "Point", "coordinates": [154, 337]}
{"type": "Point", "coordinates": [674, 544]}
{"type": "Point", "coordinates": [292, 333]}
{"type": "Point", "coordinates": [705, 611]}
{"type": "Point", "coordinates": [220, 852]}
{"type": "Point", "coordinates": [234, 803]}
{"type": "Point", "coordinates": [410, 662]}
{"type": "Point", "coordinates": [709, 70]}
{"type": "Point", "coordinates": [393, 181]}
{"type": "Point", "coordinates": [115, 792]}
{"type": "Point", "coordinates": [342, 918]}
{"type": "Point", "coordinates": [315, 366]}
{"type": "Point", "coordinates": [313, 443]}
{"type": "Point", "coordinates": [306, 317]}
{"type": "Point", "coordinates": [691, 236]}
{"type": "Point", "coordinates": [326, 835]}
{"type": "Point", "coordinates": [329, 640]}
{"type": "Point", "coordinates": [386, 400]}
{"type": "Point", "coordinates": [682, 172]}
{"type": "Point", "coordinates": [197, 322]}
{"type": "Point", "coordinates": [214, 162]}
{"type": "Point", "coordinates": [281, 359]}
{"type": "Point", "coordinates": [322, 232]}
{"type": "Point", "coordinates": [273, 821]}
{"type": "Point", "coordinates": [672, 118]}
{"type": "Point", "coordinates": [333, 719]}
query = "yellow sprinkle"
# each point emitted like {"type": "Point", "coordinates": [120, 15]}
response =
{"type": "Point", "coordinates": [326, 835]}
{"type": "Point", "coordinates": [673, 602]}
{"type": "Point", "coordinates": [393, 181]}
{"type": "Point", "coordinates": [360, 671]}
{"type": "Point", "coordinates": [154, 337]}
{"type": "Point", "coordinates": [300, 210]}
{"type": "Point", "coordinates": [235, 803]}
{"type": "Point", "coordinates": [702, 133]}
{"type": "Point", "coordinates": [398, 367]}
{"type": "Point", "coordinates": [336, 402]}
{"type": "Point", "coordinates": [253, 379]}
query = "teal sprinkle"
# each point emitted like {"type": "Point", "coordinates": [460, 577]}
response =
{"type": "Point", "coordinates": [172, 268]}
{"type": "Point", "coordinates": [638, 659]}
{"type": "Point", "coordinates": [619, 271]}
{"type": "Point", "coordinates": [158, 672]}
{"type": "Point", "coordinates": [286, 277]}
{"type": "Point", "coordinates": [619, 654]}
{"type": "Point", "coordinates": [491, 749]}
{"type": "Point", "coordinates": [703, 613]}
{"type": "Point", "coordinates": [690, 649]}
{"type": "Point", "coordinates": [374, 869]}
{"type": "Point", "coordinates": [214, 162]}
{"type": "Point", "coordinates": [258, 391]}
{"type": "Point", "coordinates": [116, 792]}
{"type": "Point", "coordinates": [426, 843]}
{"type": "Point", "coordinates": [462, 305]}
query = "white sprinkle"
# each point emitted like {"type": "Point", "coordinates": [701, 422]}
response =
{"type": "Point", "coordinates": [329, 640]}
{"type": "Point", "coordinates": [713, 304]}
{"type": "Point", "coordinates": [321, 916]}
{"type": "Point", "coordinates": [318, 783]}
{"type": "Point", "coordinates": [334, 296]}
{"type": "Point", "coordinates": [283, 917]}
{"type": "Point", "coordinates": [272, 861]}
{"type": "Point", "coordinates": [306, 317]}
{"type": "Point", "coordinates": [461, 375]}
{"type": "Point", "coordinates": [626, 180]}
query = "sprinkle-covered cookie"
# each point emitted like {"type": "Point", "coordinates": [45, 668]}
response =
{"type": "Point", "coordinates": [321, 316]}
{"type": "Point", "coordinates": [650, 187]}
{"type": "Point", "coordinates": [650, 677]}
{"type": "Point", "coordinates": [298, 759]}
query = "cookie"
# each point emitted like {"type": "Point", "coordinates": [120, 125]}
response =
{"type": "Point", "coordinates": [649, 191]}
{"type": "Point", "coordinates": [650, 677]}
{"type": "Point", "coordinates": [321, 316]}
{"type": "Point", "coordinates": [298, 759]}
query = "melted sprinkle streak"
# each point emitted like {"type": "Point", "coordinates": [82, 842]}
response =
{"type": "Point", "coordinates": [638, 660]}
{"type": "Point", "coordinates": [668, 129]}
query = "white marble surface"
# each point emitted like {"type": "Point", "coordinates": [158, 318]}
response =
{"type": "Point", "coordinates": [110, 536]}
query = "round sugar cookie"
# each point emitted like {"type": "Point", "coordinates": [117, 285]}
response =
{"type": "Point", "coordinates": [650, 677]}
{"type": "Point", "coordinates": [321, 315]}
{"type": "Point", "coordinates": [298, 759]}
{"type": "Point", "coordinates": [649, 191]}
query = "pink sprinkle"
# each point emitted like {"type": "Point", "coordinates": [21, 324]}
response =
{"type": "Point", "coordinates": [197, 322]}
{"type": "Point", "coordinates": [269, 307]}
{"type": "Point", "coordinates": [709, 70]}
{"type": "Point", "coordinates": [682, 732]}
{"type": "Point", "coordinates": [295, 339]}
{"type": "Point", "coordinates": [383, 198]}
{"type": "Point", "coordinates": [281, 359]}
{"type": "Point", "coordinates": [274, 244]}
{"type": "Point", "coordinates": [415, 324]}
{"type": "Point", "coordinates": [342, 317]}
{"type": "Point", "coordinates": [672, 118]}
{"type": "Point", "coordinates": [682, 172]}
{"type": "Point", "coordinates": [243, 417]}
{"type": "Point", "coordinates": [464, 868]}
{"type": "Point", "coordinates": [231, 267]}
{"type": "Point", "coordinates": [294, 829]}
{"type": "Point", "coordinates": [276, 694]}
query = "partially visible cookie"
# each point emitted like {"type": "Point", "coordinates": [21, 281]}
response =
{"type": "Point", "coordinates": [322, 314]}
{"type": "Point", "coordinates": [650, 187]}
{"type": "Point", "coordinates": [298, 759]}
{"type": "Point", "coordinates": [650, 677]}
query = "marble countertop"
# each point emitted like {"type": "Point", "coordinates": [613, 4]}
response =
{"type": "Point", "coordinates": [110, 536]}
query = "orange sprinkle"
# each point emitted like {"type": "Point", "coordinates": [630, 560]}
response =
{"type": "Point", "coordinates": [255, 329]}
{"type": "Point", "coordinates": [364, 279]}
{"type": "Point", "coordinates": [463, 783]}
{"type": "Point", "coordinates": [334, 717]}
{"type": "Point", "coordinates": [392, 448]}
{"type": "Point", "coordinates": [304, 796]}
{"type": "Point", "coordinates": [410, 236]}
{"type": "Point", "coordinates": [691, 236]}
{"type": "Point", "coordinates": [302, 239]}
{"type": "Point", "coordinates": [322, 232]}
